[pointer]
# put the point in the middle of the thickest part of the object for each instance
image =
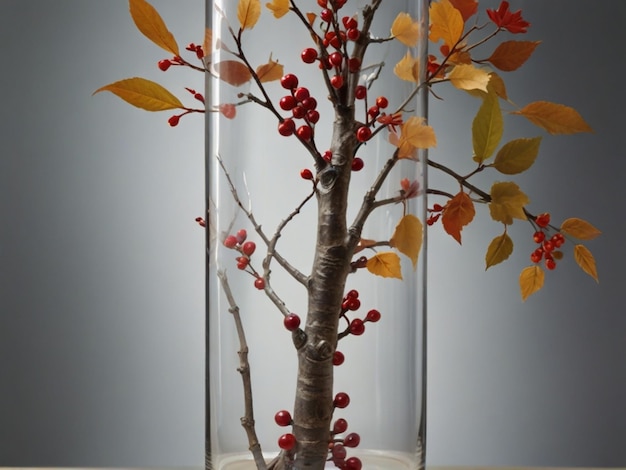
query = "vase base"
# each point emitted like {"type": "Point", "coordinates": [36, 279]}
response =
{"type": "Point", "coordinates": [372, 460]}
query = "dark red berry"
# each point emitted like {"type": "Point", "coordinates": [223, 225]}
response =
{"type": "Point", "coordinates": [291, 322]}
{"type": "Point", "coordinates": [550, 263]}
{"type": "Point", "coordinates": [283, 418]}
{"type": "Point", "coordinates": [248, 248]}
{"type": "Point", "coordinates": [357, 327]}
{"type": "Point", "coordinates": [298, 112]}
{"type": "Point", "coordinates": [309, 55]}
{"type": "Point", "coordinates": [313, 116]}
{"type": "Point", "coordinates": [287, 441]}
{"type": "Point", "coordinates": [360, 92]}
{"type": "Point", "coordinates": [242, 262]}
{"type": "Point", "coordinates": [306, 174]}
{"type": "Point", "coordinates": [289, 81]}
{"type": "Point", "coordinates": [342, 399]}
{"type": "Point", "coordinates": [335, 59]}
{"type": "Point", "coordinates": [340, 426]}
{"type": "Point", "coordinates": [326, 15]}
{"type": "Point", "coordinates": [373, 315]}
{"type": "Point", "coordinates": [305, 132]}
{"type": "Point", "coordinates": [336, 81]}
{"type": "Point", "coordinates": [354, 64]}
{"type": "Point", "coordinates": [287, 127]}
{"type": "Point", "coordinates": [353, 463]}
{"type": "Point", "coordinates": [363, 133]}
{"type": "Point", "coordinates": [309, 103]}
{"type": "Point", "coordinates": [339, 452]}
{"type": "Point", "coordinates": [357, 164]}
{"type": "Point", "coordinates": [173, 121]}
{"type": "Point", "coordinates": [349, 22]}
{"type": "Point", "coordinates": [241, 235]}
{"type": "Point", "coordinates": [164, 64]}
{"type": "Point", "coordinates": [543, 220]}
{"type": "Point", "coordinates": [353, 293]}
{"type": "Point", "coordinates": [353, 34]}
{"type": "Point", "coordinates": [382, 102]}
{"type": "Point", "coordinates": [352, 440]}
{"type": "Point", "coordinates": [287, 103]}
{"type": "Point", "coordinates": [373, 111]}
{"type": "Point", "coordinates": [301, 93]}
{"type": "Point", "coordinates": [338, 358]}
{"type": "Point", "coordinates": [539, 236]}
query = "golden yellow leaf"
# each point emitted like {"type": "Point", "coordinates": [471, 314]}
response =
{"type": "Point", "coordinates": [152, 26]}
{"type": "Point", "coordinates": [386, 264]}
{"type": "Point", "coordinates": [467, 7]}
{"type": "Point", "coordinates": [408, 68]}
{"type": "Point", "coordinates": [415, 134]}
{"type": "Point", "coordinates": [270, 71]}
{"type": "Point", "coordinates": [498, 250]}
{"type": "Point", "coordinates": [579, 228]}
{"type": "Point", "coordinates": [233, 72]}
{"type": "Point", "coordinates": [468, 77]}
{"type": "Point", "coordinates": [207, 44]}
{"type": "Point", "coordinates": [143, 93]}
{"type": "Point", "coordinates": [517, 156]}
{"type": "Point", "coordinates": [457, 213]}
{"type": "Point", "coordinates": [507, 202]}
{"type": "Point", "coordinates": [408, 236]}
{"type": "Point", "coordinates": [446, 22]}
{"type": "Point", "coordinates": [586, 261]}
{"type": "Point", "coordinates": [554, 118]}
{"type": "Point", "coordinates": [511, 55]}
{"type": "Point", "coordinates": [405, 29]}
{"type": "Point", "coordinates": [248, 13]}
{"type": "Point", "coordinates": [487, 128]}
{"type": "Point", "coordinates": [531, 280]}
{"type": "Point", "coordinates": [279, 7]}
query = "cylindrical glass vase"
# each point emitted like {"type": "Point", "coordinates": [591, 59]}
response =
{"type": "Point", "coordinates": [316, 172]}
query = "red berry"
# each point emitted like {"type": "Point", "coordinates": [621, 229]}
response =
{"type": "Point", "coordinates": [352, 304]}
{"type": "Point", "coordinates": [309, 55]}
{"type": "Point", "coordinates": [339, 452]}
{"type": "Point", "coordinates": [287, 127]}
{"type": "Point", "coordinates": [548, 246]}
{"type": "Point", "coordinates": [338, 358]}
{"type": "Point", "coordinates": [164, 64]}
{"type": "Point", "coordinates": [309, 103]}
{"type": "Point", "coordinates": [353, 293]}
{"type": "Point", "coordinates": [340, 426]}
{"type": "Point", "coordinates": [287, 441]}
{"type": "Point", "coordinates": [352, 440]}
{"type": "Point", "coordinates": [173, 121]}
{"type": "Point", "coordinates": [353, 34]}
{"type": "Point", "coordinates": [283, 418]}
{"type": "Point", "coordinates": [248, 248]}
{"type": "Point", "coordinates": [306, 174]}
{"type": "Point", "coordinates": [326, 15]}
{"type": "Point", "coordinates": [287, 103]}
{"type": "Point", "coordinates": [327, 156]}
{"type": "Point", "coordinates": [289, 81]}
{"type": "Point", "coordinates": [353, 463]}
{"type": "Point", "coordinates": [550, 263]}
{"type": "Point", "coordinates": [305, 132]}
{"type": "Point", "coordinates": [298, 112]}
{"type": "Point", "coordinates": [357, 164]}
{"type": "Point", "coordinates": [354, 64]}
{"type": "Point", "coordinates": [360, 92]}
{"type": "Point", "coordinates": [373, 315]}
{"type": "Point", "coordinates": [241, 235]}
{"type": "Point", "coordinates": [536, 257]}
{"type": "Point", "coordinates": [322, 3]}
{"type": "Point", "coordinates": [291, 322]}
{"type": "Point", "coordinates": [336, 81]}
{"type": "Point", "coordinates": [363, 133]}
{"type": "Point", "coordinates": [357, 327]}
{"type": "Point", "coordinates": [228, 110]}
{"type": "Point", "coordinates": [373, 111]}
{"type": "Point", "coordinates": [313, 116]}
{"type": "Point", "coordinates": [230, 241]}
{"type": "Point", "coordinates": [382, 102]}
{"type": "Point", "coordinates": [539, 236]}
{"type": "Point", "coordinates": [301, 93]}
{"type": "Point", "coordinates": [336, 58]}
{"type": "Point", "coordinates": [543, 220]}
{"type": "Point", "coordinates": [242, 262]}
{"type": "Point", "coordinates": [349, 22]}
{"type": "Point", "coordinates": [259, 283]}
{"type": "Point", "coordinates": [342, 399]}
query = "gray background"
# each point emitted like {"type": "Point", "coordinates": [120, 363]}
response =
{"type": "Point", "coordinates": [101, 279]}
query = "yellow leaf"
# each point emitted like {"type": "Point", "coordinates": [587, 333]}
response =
{"type": "Point", "coordinates": [511, 55]}
{"type": "Point", "coordinates": [233, 72]}
{"type": "Point", "coordinates": [385, 264]}
{"type": "Point", "coordinates": [415, 134]}
{"type": "Point", "coordinates": [468, 77]}
{"type": "Point", "coordinates": [554, 118]}
{"type": "Point", "coordinates": [507, 203]}
{"type": "Point", "coordinates": [517, 155]}
{"type": "Point", "coordinates": [498, 250]}
{"type": "Point", "coordinates": [279, 7]}
{"type": "Point", "coordinates": [408, 68]}
{"type": "Point", "coordinates": [207, 44]}
{"type": "Point", "coordinates": [446, 22]}
{"type": "Point", "coordinates": [457, 213]}
{"type": "Point", "coordinates": [405, 30]}
{"type": "Point", "coordinates": [248, 13]}
{"type": "Point", "coordinates": [487, 128]}
{"type": "Point", "coordinates": [586, 261]}
{"type": "Point", "coordinates": [152, 26]}
{"type": "Point", "coordinates": [143, 93]}
{"type": "Point", "coordinates": [531, 280]}
{"type": "Point", "coordinates": [270, 71]}
{"type": "Point", "coordinates": [580, 229]}
{"type": "Point", "coordinates": [407, 237]}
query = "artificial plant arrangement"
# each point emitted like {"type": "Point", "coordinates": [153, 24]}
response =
{"type": "Point", "coordinates": [340, 39]}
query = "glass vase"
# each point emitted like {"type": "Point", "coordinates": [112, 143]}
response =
{"type": "Point", "coordinates": [316, 207]}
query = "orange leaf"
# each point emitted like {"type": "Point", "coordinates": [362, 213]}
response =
{"type": "Point", "coordinates": [270, 71]}
{"type": "Point", "coordinates": [279, 7]}
{"type": "Point", "coordinates": [233, 72]}
{"type": "Point", "coordinates": [385, 264]}
{"type": "Point", "coordinates": [446, 23]}
{"type": "Point", "coordinates": [152, 26]}
{"type": "Point", "coordinates": [580, 229]}
{"type": "Point", "coordinates": [554, 118]}
{"type": "Point", "coordinates": [143, 93]}
{"type": "Point", "coordinates": [586, 261]}
{"type": "Point", "coordinates": [407, 237]}
{"type": "Point", "coordinates": [498, 250]}
{"type": "Point", "coordinates": [510, 55]}
{"type": "Point", "coordinates": [405, 29]}
{"type": "Point", "coordinates": [531, 280]}
{"type": "Point", "coordinates": [457, 213]}
{"type": "Point", "coordinates": [468, 8]}
{"type": "Point", "coordinates": [248, 13]}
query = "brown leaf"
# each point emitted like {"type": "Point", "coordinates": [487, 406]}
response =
{"type": "Point", "coordinates": [580, 229]}
{"type": "Point", "coordinates": [143, 93]}
{"type": "Point", "coordinates": [586, 261]}
{"type": "Point", "coordinates": [457, 213]}
{"type": "Point", "coordinates": [531, 280]}
{"type": "Point", "coordinates": [151, 25]}
{"type": "Point", "coordinates": [233, 72]}
{"type": "Point", "coordinates": [554, 118]}
{"type": "Point", "coordinates": [499, 250]}
{"type": "Point", "coordinates": [511, 55]}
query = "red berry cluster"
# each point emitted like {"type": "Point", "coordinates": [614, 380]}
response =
{"type": "Point", "coordinates": [246, 249]}
{"type": "Point", "coordinates": [302, 106]}
{"type": "Point", "coordinates": [547, 249]}
{"type": "Point", "coordinates": [286, 441]}
{"type": "Point", "coordinates": [351, 303]}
